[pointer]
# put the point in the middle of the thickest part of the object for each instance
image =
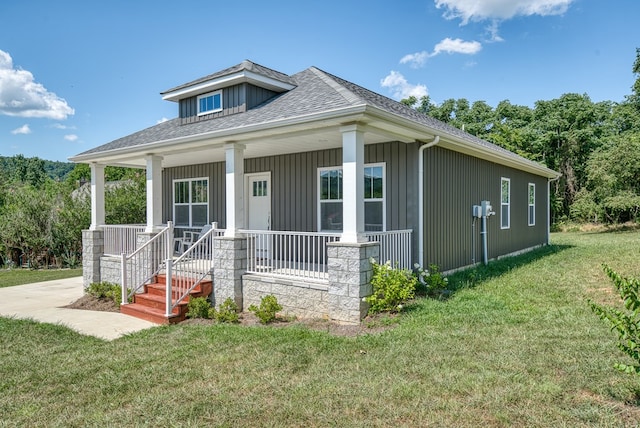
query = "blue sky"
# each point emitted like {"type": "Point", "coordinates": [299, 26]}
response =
{"type": "Point", "coordinates": [77, 74]}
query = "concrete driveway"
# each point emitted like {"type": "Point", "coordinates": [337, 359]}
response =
{"type": "Point", "coordinates": [43, 302]}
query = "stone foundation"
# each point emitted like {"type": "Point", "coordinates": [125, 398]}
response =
{"type": "Point", "coordinates": [92, 251]}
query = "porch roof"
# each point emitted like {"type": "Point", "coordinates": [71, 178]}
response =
{"type": "Point", "coordinates": [307, 117]}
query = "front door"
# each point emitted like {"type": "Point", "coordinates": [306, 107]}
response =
{"type": "Point", "coordinates": [259, 209]}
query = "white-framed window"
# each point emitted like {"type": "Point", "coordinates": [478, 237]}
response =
{"type": "Point", "coordinates": [209, 103]}
{"type": "Point", "coordinates": [505, 203]}
{"type": "Point", "coordinates": [191, 202]}
{"type": "Point", "coordinates": [330, 198]}
{"type": "Point", "coordinates": [531, 196]}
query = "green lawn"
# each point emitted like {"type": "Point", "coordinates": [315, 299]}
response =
{"type": "Point", "coordinates": [11, 277]}
{"type": "Point", "coordinates": [516, 345]}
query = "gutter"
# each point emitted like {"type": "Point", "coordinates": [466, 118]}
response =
{"type": "Point", "coordinates": [421, 150]}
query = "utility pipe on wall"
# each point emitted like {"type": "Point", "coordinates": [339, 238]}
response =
{"type": "Point", "coordinates": [421, 150]}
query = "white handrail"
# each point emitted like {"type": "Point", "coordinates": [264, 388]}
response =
{"type": "Point", "coordinates": [395, 246]}
{"type": "Point", "coordinates": [121, 238]}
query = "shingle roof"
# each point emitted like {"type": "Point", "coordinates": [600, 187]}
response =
{"type": "Point", "coordinates": [315, 91]}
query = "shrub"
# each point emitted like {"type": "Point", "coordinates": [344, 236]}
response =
{"type": "Point", "coordinates": [392, 287]}
{"type": "Point", "coordinates": [198, 307]}
{"type": "Point", "coordinates": [432, 282]}
{"type": "Point", "coordinates": [625, 323]}
{"type": "Point", "coordinates": [106, 290]}
{"type": "Point", "coordinates": [228, 312]}
{"type": "Point", "coordinates": [268, 307]}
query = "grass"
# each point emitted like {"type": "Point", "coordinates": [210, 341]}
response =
{"type": "Point", "coordinates": [11, 277]}
{"type": "Point", "coordinates": [515, 345]}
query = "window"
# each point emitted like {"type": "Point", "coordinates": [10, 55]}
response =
{"type": "Point", "coordinates": [209, 103]}
{"type": "Point", "coordinates": [505, 203]}
{"type": "Point", "coordinates": [330, 198]}
{"type": "Point", "coordinates": [191, 202]}
{"type": "Point", "coordinates": [532, 204]}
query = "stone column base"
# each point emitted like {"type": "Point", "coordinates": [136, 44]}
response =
{"type": "Point", "coordinates": [229, 264]}
{"type": "Point", "coordinates": [92, 250]}
{"type": "Point", "coordinates": [350, 272]}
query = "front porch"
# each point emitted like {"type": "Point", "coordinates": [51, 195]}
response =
{"type": "Point", "coordinates": [306, 271]}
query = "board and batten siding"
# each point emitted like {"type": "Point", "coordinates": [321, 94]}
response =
{"type": "Point", "coordinates": [235, 99]}
{"type": "Point", "coordinates": [453, 183]}
{"type": "Point", "coordinates": [294, 185]}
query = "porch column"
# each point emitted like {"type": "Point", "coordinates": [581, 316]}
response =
{"type": "Point", "coordinates": [154, 192]}
{"type": "Point", "coordinates": [234, 157]}
{"type": "Point", "coordinates": [97, 196]}
{"type": "Point", "coordinates": [352, 184]}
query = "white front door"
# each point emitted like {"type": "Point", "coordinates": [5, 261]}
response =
{"type": "Point", "coordinates": [259, 209]}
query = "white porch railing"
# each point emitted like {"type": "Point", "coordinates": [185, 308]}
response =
{"type": "Point", "coordinates": [190, 269]}
{"type": "Point", "coordinates": [304, 254]}
{"type": "Point", "coordinates": [121, 238]}
{"type": "Point", "coordinates": [395, 246]}
{"type": "Point", "coordinates": [137, 268]}
{"type": "Point", "coordinates": [295, 254]}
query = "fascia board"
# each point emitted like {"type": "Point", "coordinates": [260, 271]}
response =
{"type": "Point", "coordinates": [225, 81]}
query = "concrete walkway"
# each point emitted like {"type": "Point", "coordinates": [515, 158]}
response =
{"type": "Point", "coordinates": [43, 302]}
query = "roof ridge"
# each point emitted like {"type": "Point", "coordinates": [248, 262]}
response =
{"type": "Point", "coordinates": [327, 78]}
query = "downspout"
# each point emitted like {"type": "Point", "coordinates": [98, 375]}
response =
{"type": "Point", "coordinates": [421, 150]}
{"type": "Point", "coordinates": [549, 180]}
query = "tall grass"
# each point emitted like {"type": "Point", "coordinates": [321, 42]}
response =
{"type": "Point", "coordinates": [515, 345]}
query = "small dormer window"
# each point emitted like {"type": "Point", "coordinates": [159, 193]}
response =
{"type": "Point", "coordinates": [210, 103]}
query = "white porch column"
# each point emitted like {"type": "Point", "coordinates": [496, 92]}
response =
{"type": "Point", "coordinates": [154, 192]}
{"type": "Point", "coordinates": [234, 157]}
{"type": "Point", "coordinates": [97, 196]}
{"type": "Point", "coordinates": [352, 184]}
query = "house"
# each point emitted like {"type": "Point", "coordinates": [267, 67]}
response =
{"type": "Point", "coordinates": [308, 176]}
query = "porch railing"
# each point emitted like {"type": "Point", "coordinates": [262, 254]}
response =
{"type": "Point", "coordinates": [187, 271]}
{"type": "Point", "coordinates": [296, 254]}
{"type": "Point", "coordinates": [121, 238]}
{"type": "Point", "coordinates": [139, 267]}
{"type": "Point", "coordinates": [395, 246]}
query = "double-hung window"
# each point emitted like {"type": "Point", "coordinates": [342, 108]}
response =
{"type": "Point", "coordinates": [209, 103]}
{"type": "Point", "coordinates": [532, 204]}
{"type": "Point", "coordinates": [330, 198]}
{"type": "Point", "coordinates": [505, 203]}
{"type": "Point", "coordinates": [191, 202]}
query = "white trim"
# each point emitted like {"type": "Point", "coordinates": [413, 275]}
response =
{"type": "Point", "coordinates": [188, 204]}
{"type": "Point", "coordinates": [97, 196]}
{"type": "Point", "coordinates": [207, 95]}
{"type": "Point", "coordinates": [531, 219]}
{"type": "Point", "coordinates": [507, 204]}
{"type": "Point", "coordinates": [383, 165]}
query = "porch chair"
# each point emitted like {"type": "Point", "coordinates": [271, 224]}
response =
{"type": "Point", "coordinates": [189, 238]}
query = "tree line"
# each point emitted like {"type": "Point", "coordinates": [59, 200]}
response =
{"type": "Point", "coordinates": [594, 145]}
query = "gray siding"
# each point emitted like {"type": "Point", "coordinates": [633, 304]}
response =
{"type": "Point", "coordinates": [235, 99]}
{"type": "Point", "coordinates": [454, 182]}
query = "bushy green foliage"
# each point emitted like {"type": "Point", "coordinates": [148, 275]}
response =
{"type": "Point", "coordinates": [227, 313]}
{"type": "Point", "coordinates": [625, 323]}
{"type": "Point", "coordinates": [269, 306]}
{"type": "Point", "coordinates": [392, 288]}
{"type": "Point", "coordinates": [199, 307]}
{"type": "Point", "coordinates": [106, 290]}
{"type": "Point", "coordinates": [432, 282]}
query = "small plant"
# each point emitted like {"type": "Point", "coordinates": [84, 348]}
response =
{"type": "Point", "coordinates": [392, 288]}
{"type": "Point", "coordinates": [269, 306]}
{"type": "Point", "coordinates": [198, 307]}
{"type": "Point", "coordinates": [432, 282]}
{"type": "Point", "coordinates": [228, 312]}
{"type": "Point", "coordinates": [625, 323]}
{"type": "Point", "coordinates": [106, 290]}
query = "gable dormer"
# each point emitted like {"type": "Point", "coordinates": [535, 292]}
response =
{"type": "Point", "coordinates": [230, 91]}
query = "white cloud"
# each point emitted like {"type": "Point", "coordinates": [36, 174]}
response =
{"type": "Point", "coordinates": [164, 119]}
{"type": "Point", "coordinates": [24, 129]}
{"type": "Point", "coordinates": [457, 46]}
{"type": "Point", "coordinates": [21, 96]}
{"type": "Point", "coordinates": [71, 137]}
{"type": "Point", "coordinates": [400, 88]}
{"type": "Point", "coordinates": [481, 10]}
{"type": "Point", "coordinates": [492, 29]}
{"type": "Point", "coordinates": [447, 45]}
{"type": "Point", "coordinates": [61, 126]}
